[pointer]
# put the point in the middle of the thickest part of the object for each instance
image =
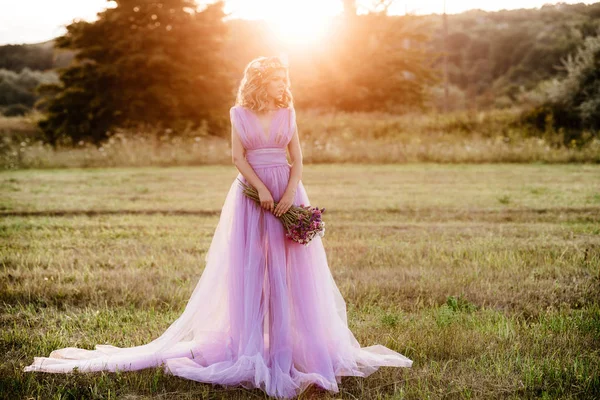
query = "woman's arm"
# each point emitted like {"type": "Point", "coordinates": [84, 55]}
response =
{"type": "Point", "coordinates": [295, 175]}
{"type": "Point", "coordinates": [238, 158]}
{"type": "Point", "coordinates": [296, 159]}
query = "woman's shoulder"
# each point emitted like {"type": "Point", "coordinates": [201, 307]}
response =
{"type": "Point", "coordinates": [290, 110]}
{"type": "Point", "coordinates": [236, 111]}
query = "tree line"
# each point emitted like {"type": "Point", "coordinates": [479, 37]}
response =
{"type": "Point", "coordinates": [170, 63]}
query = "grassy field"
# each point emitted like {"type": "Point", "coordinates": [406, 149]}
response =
{"type": "Point", "coordinates": [487, 276]}
{"type": "Point", "coordinates": [342, 137]}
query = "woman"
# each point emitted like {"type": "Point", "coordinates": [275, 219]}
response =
{"type": "Point", "coordinates": [266, 312]}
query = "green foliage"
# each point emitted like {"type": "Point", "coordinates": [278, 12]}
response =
{"type": "Point", "coordinates": [579, 91]}
{"type": "Point", "coordinates": [37, 57]}
{"type": "Point", "coordinates": [141, 62]}
{"type": "Point", "coordinates": [19, 87]}
{"type": "Point", "coordinates": [390, 320]}
{"type": "Point", "coordinates": [369, 62]}
{"type": "Point", "coordinates": [460, 304]}
{"type": "Point", "coordinates": [494, 54]}
{"type": "Point", "coordinates": [16, 57]}
{"type": "Point", "coordinates": [571, 109]}
{"type": "Point", "coordinates": [504, 199]}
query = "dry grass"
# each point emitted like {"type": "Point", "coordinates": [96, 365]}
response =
{"type": "Point", "coordinates": [485, 275]}
{"type": "Point", "coordinates": [369, 138]}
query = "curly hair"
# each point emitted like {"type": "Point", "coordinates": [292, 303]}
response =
{"type": "Point", "coordinates": [252, 93]}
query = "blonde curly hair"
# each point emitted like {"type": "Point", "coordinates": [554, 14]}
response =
{"type": "Point", "coordinates": [252, 92]}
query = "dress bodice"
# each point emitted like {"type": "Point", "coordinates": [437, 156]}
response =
{"type": "Point", "coordinates": [252, 133]}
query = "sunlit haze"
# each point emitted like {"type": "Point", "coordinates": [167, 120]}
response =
{"type": "Point", "coordinates": [32, 21]}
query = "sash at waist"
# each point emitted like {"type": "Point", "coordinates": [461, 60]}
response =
{"type": "Point", "coordinates": [267, 157]}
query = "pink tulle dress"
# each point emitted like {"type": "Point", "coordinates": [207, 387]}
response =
{"type": "Point", "coordinates": [266, 312]}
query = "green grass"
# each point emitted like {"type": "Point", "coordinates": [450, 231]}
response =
{"type": "Point", "coordinates": [486, 276]}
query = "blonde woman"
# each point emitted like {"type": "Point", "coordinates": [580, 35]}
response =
{"type": "Point", "coordinates": [266, 312]}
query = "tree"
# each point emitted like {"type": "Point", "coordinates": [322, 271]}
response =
{"type": "Point", "coordinates": [16, 57]}
{"type": "Point", "coordinates": [579, 91]}
{"type": "Point", "coordinates": [144, 61]}
{"type": "Point", "coordinates": [572, 103]}
{"type": "Point", "coordinates": [370, 62]}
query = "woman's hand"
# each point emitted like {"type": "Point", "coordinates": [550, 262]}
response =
{"type": "Point", "coordinates": [284, 204]}
{"type": "Point", "coordinates": [266, 199]}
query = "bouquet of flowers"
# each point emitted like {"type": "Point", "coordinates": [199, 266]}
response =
{"type": "Point", "coordinates": [302, 223]}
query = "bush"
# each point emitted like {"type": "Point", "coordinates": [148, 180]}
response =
{"type": "Point", "coordinates": [571, 106]}
{"type": "Point", "coordinates": [15, 110]}
{"type": "Point", "coordinates": [19, 88]}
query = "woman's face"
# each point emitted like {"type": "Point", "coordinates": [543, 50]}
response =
{"type": "Point", "coordinates": [276, 84]}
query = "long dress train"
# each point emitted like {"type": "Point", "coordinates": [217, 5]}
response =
{"type": "Point", "coordinates": [266, 312]}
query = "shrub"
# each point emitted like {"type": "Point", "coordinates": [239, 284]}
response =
{"type": "Point", "coordinates": [15, 110]}
{"type": "Point", "coordinates": [571, 107]}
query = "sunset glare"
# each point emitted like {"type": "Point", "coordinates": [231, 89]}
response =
{"type": "Point", "coordinates": [296, 22]}
{"type": "Point", "coordinates": [292, 22]}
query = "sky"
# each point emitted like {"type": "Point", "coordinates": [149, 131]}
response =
{"type": "Point", "coordinates": [34, 21]}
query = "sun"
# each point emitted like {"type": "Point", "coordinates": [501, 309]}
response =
{"type": "Point", "coordinates": [298, 24]}
{"type": "Point", "coordinates": [293, 22]}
